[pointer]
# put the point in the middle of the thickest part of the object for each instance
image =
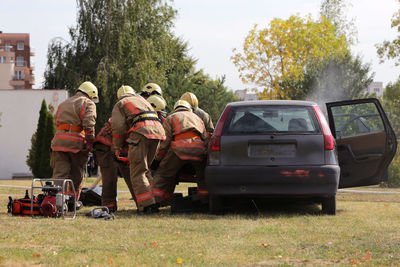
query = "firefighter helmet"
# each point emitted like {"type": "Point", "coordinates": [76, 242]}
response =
{"type": "Point", "coordinates": [182, 103]}
{"type": "Point", "coordinates": [125, 90]}
{"type": "Point", "coordinates": [91, 90]}
{"type": "Point", "coordinates": [157, 102]}
{"type": "Point", "coordinates": [151, 89]}
{"type": "Point", "coordinates": [191, 98]}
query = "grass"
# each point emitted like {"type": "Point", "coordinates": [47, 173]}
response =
{"type": "Point", "coordinates": [365, 231]}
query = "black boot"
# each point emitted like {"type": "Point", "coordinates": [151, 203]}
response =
{"type": "Point", "coordinates": [149, 210]}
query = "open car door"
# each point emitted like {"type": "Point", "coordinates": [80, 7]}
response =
{"type": "Point", "coordinates": [365, 140]}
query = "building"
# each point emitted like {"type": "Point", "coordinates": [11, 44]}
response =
{"type": "Point", "coordinates": [245, 95]}
{"type": "Point", "coordinates": [19, 115]}
{"type": "Point", "coordinates": [16, 70]}
{"type": "Point", "coordinates": [377, 88]}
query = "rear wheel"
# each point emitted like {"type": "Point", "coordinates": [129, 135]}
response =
{"type": "Point", "coordinates": [329, 205]}
{"type": "Point", "coordinates": [215, 204]}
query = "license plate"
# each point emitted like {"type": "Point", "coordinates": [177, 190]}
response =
{"type": "Point", "coordinates": [272, 150]}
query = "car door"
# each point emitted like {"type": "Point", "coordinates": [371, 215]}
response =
{"type": "Point", "coordinates": [365, 140]}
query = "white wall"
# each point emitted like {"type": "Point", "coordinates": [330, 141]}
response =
{"type": "Point", "coordinates": [19, 117]}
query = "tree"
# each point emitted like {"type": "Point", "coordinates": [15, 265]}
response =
{"type": "Point", "coordinates": [335, 11]}
{"type": "Point", "coordinates": [118, 42]}
{"type": "Point", "coordinates": [391, 104]}
{"type": "Point", "coordinates": [333, 79]}
{"type": "Point", "coordinates": [282, 50]}
{"type": "Point", "coordinates": [391, 49]}
{"type": "Point", "coordinates": [38, 158]}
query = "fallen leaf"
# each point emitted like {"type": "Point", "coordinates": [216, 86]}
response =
{"type": "Point", "coordinates": [177, 233]}
{"type": "Point", "coordinates": [154, 243]}
{"type": "Point", "coordinates": [367, 257]}
{"type": "Point", "coordinates": [377, 240]}
{"type": "Point", "coordinates": [354, 262]}
{"type": "Point", "coordinates": [265, 245]}
{"type": "Point", "coordinates": [110, 261]}
{"type": "Point", "coordinates": [228, 236]}
{"type": "Point", "coordinates": [36, 255]}
{"type": "Point", "coordinates": [179, 260]}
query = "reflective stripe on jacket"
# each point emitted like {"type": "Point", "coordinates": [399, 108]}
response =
{"type": "Point", "coordinates": [77, 112]}
{"type": "Point", "coordinates": [125, 120]}
{"type": "Point", "coordinates": [186, 136]}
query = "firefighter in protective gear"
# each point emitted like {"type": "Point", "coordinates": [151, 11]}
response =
{"type": "Point", "coordinates": [186, 142]}
{"type": "Point", "coordinates": [192, 99]}
{"type": "Point", "coordinates": [134, 121]}
{"type": "Point", "coordinates": [109, 166]}
{"type": "Point", "coordinates": [151, 89]}
{"type": "Point", "coordinates": [159, 105]}
{"type": "Point", "coordinates": [75, 120]}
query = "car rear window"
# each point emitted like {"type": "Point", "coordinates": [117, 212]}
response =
{"type": "Point", "coordinates": [272, 119]}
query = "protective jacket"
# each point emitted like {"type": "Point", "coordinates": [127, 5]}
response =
{"type": "Point", "coordinates": [75, 121]}
{"type": "Point", "coordinates": [185, 134]}
{"type": "Point", "coordinates": [206, 118]}
{"type": "Point", "coordinates": [133, 114]}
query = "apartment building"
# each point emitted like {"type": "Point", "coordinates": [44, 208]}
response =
{"type": "Point", "coordinates": [16, 70]}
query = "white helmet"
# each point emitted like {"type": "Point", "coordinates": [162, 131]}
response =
{"type": "Point", "coordinates": [157, 102]}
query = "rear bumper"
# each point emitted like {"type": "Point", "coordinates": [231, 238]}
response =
{"type": "Point", "coordinates": [272, 181]}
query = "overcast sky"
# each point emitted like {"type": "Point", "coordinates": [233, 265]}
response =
{"type": "Point", "coordinates": [211, 27]}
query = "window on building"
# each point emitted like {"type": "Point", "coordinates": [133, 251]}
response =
{"type": "Point", "coordinates": [377, 90]}
{"type": "Point", "coordinates": [18, 87]}
{"type": "Point", "coordinates": [3, 59]}
{"type": "Point", "coordinates": [18, 75]}
{"type": "Point", "coordinates": [19, 62]}
{"type": "Point", "coordinates": [8, 47]}
{"type": "Point", "coordinates": [20, 46]}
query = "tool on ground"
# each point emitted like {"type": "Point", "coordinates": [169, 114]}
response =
{"type": "Point", "coordinates": [101, 212]}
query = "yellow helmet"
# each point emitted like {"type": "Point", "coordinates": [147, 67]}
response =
{"type": "Point", "coordinates": [125, 90]}
{"type": "Point", "coordinates": [151, 89]}
{"type": "Point", "coordinates": [191, 98]}
{"type": "Point", "coordinates": [91, 90]}
{"type": "Point", "coordinates": [157, 102]}
{"type": "Point", "coordinates": [182, 103]}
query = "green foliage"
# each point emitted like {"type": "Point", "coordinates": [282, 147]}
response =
{"type": "Point", "coordinates": [333, 79]}
{"type": "Point", "coordinates": [282, 50]}
{"type": "Point", "coordinates": [38, 158]}
{"type": "Point", "coordinates": [391, 104]}
{"type": "Point", "coordinates": [335, 11]}
{"type": "Point", "coordinates": [389, 50]}
{"type": "Point", "coordinates": [117, 42]}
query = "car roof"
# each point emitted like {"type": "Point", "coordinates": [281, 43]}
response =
{"type": "Point", "coordinates": [272, 102]}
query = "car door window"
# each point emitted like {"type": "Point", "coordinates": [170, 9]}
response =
{"type": "Point", "coordinates": [354, 120]}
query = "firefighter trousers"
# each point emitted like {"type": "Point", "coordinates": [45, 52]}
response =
{"type": "Point", "coordinates": [165, 177]}
{"type": "Point", "coordinates": [68, 165]}
{"type": "Point", "coordinates": [109, 175]}
{"type": "Point", "coordinates": [140, 154]}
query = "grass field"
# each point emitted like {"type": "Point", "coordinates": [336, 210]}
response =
{"type": "Point", "coordinates": [365, 232]}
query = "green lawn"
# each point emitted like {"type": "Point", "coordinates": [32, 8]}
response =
{"type": "Point", "coordinates": [365, 231]}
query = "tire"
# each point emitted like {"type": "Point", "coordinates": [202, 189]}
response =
{"type": "Point", "coordinates": [329, 205]}
{"type": "Point", "coordinates": [215, 204]}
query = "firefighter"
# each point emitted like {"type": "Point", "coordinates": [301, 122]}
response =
{"type": "Point", "coordinates": [192, 99]}
{"type": "Point", "coordinates": [135, 121]}
{"type": "Point", "coordinates": [186, 142]}
{"type": "Point", "coordinates": [109, 166]}
{"type": "Point", "coordinates": [159, 105]}
{"type": "Point", "coordinates": [151, 89]}
{"type": "Point", "coordinates": [75, 121]}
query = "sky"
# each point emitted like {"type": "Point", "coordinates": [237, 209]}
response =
{"type": "Point", "coordinates": [212, 29]}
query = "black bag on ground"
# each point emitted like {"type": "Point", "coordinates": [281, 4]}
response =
{"type": "Point", "coordinates": [91, 196]}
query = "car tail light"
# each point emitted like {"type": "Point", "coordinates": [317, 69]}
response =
{"type": "Point", "coordinates": [329, 142]}
{"type": "Point", "coordinates": [215, 141]}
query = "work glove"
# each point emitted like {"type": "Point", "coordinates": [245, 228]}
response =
{"type": "Point", "coordinates": [155, 164]}
{"type": "Point", "coordinates": [88, 145]}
